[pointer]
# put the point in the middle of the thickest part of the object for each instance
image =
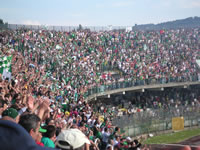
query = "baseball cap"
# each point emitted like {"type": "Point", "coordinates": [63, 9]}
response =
{"type": "Point", "coordinates": [109, 145]}
{"type": "Point", "coordinates": [11, 112]}
{"type": "Point", "coordinates": [129, 139]}
{"type": "Point", "coordinates": [74, 137]}
{"type": "Point", "coordinates": [14, 136]}
{"type": "Point", "coordinates": [42, 130]}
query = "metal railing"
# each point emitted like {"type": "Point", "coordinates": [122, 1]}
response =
{"type": "Point", "coordinates": [157, 120]}
{"type": "Point", "coordinates": [64, 28]}
{"type": "Point", "coordinates": [136, 82]}
{"type": "Point", "coordinates": [3, 26]}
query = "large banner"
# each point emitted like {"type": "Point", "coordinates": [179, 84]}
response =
{"type": "Point", "coordinates": [177, 123]}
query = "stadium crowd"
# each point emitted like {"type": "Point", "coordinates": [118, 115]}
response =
{"type": "Point", "coordinates": [51, 72]}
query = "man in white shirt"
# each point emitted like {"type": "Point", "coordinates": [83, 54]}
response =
{"type": "Point", "coordinates": [105, 137]}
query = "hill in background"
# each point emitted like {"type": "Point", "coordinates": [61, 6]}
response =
{"type": "Point", "coordinates": [191, 22]}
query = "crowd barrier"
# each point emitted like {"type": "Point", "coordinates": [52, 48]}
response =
{"type": "Point", "coordinates": [132, 83]}
{"type": "Point", "coordinates": [157, 120]}
{"type": "Point", "coordinates": [64, 28]}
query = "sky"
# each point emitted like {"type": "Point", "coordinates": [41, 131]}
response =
{"type": "Point", "coordinates": [96, 12]}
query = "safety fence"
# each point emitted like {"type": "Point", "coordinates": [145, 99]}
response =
{"type": "Point", "coordinates": [63, 28]}
{"type": "Point", "coordinates": [157, 120]}
{"type": "Point", "coordinates": [135, 82]}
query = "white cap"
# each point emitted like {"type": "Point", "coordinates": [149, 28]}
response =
{"type": "Point", "coordinates": [74, 137]}
{"type": "Point", "coordinates": [129, 139]}
{"type": "Point", "coordinates": [150, 135]}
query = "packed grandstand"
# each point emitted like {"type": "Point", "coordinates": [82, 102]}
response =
{"type": "Point", "coordinates": [50, 74]}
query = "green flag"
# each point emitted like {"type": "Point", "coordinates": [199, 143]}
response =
{"type": "Point", "coordinates": [5, 63]}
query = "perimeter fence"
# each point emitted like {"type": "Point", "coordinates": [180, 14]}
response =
{"type": "Point", "coordinates": [157, 120]}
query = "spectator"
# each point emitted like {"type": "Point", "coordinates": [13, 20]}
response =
{"type": "Point", "coordinates": [13, 137]}
{"type": "Point", "coordinates": [49, 136]}
{"type": "Point", "coordinates": [105, 137]}
{"type": "Point", "coordinates": [31, 123]}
